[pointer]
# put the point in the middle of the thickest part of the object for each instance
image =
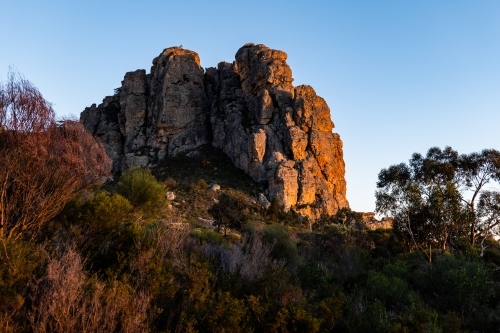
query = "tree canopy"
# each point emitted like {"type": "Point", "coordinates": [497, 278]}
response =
{"type": "Point", "coordinates": [440, 197]}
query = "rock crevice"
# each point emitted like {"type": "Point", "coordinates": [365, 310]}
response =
{"type": "Point", "coordinates": [279, 134]}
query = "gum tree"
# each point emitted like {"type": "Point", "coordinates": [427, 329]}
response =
{"type": "Point", "coordinates": [434, 199]}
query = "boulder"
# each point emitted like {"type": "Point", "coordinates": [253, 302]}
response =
{"type": "Point", "coordinates": [214, 187]}
{"type": "Point", "coordinates": [205, 222]}
{"type": "Point", "coordinates": [263, 201]}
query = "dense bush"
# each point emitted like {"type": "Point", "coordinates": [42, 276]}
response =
{"type": "Point", "coordinates": [20, 263]}
{"type": "Point", "coordinates": [232, 209]}
{"type": "Point", "coordinates": [43, 163]}
{"type": "Point", "coordinates": [142, 189]}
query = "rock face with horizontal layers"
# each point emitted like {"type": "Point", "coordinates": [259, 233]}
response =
{"type": "Point", "coordinates": [279, 134]}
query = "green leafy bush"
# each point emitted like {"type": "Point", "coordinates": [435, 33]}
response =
{"type": "Point", "coordinates": [310, 274]}
{"type": "Point", "coordinates": [392, 291]}
{"type": "Point", "coordinates": [20, 262]}
{"type": "Point", "coordinates": [462, 285]}
{"type": "Point", "coordinates": [105, 210]}
{"type": "Point", "coordinates": [207, 235]}
{"type": "Point", "coordinates": [284, 247]}
{"type": "Point", "coordinates": [142, 189]}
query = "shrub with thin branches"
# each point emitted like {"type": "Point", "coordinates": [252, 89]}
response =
{"type": "Point", "coordinates": [66, 299]}
{"type": "Point", "coordinates": [44, 163]}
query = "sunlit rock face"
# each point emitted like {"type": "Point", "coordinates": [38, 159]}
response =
{"type": "Point", "coordinates": [279, 134]}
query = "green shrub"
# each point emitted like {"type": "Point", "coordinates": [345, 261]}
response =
{"type": "Point", "coordinates": [366, 317]}
{"type": "Point", "coordinates": [398, 269]}
{"type": "Point", "coordinates": [225, 312]}
{"type": "Point", "coordinates": [462, 285]}
{"type": "Point", "coordinates": [20, 262]}
{"type": "Point", "coordinates": [276, 214]}
{"type": "Point", "coordinates": [142, 189]}
{"type": "Point", "coordinates": [232, 210]}
{"type": "Point", "coordinates": [392, 291]}
{"type": "Point", "coordinates": [310, 274]}
{"type": "Point", "coordinates": [492, 255]}
{"type": "Point", "coordinates": [99, 224]}
{"type": "Point", "coordinates": [284, 247]}
{"type": "Point", "coordinates": [451, 323]}
{"type": "Point", "coordinates": [104, 210]}
{"type": "Point", "coordinates": [344, 216]}
{"type": "Point", "coordinates": [207, 235]}
{"type": "Point", "coordinates": [419, 319]}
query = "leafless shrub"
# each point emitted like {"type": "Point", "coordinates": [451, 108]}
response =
{"type": "Point", "coordinates": [170, 242]}
{"type": "Point", "coordinates": [43, 163]}
{"type": "Point", "coordinates": [60, 294]}
{"type": "Point", "coordinates": [67, 300]}
{"type": "Point", "coordinates": [229, 259]}
{"type": "Point", "coordinates": [7, 324]}
{"type": "Point", "coordinates": [22, 107]}
{"type": "Point", "coordinates": [173, 242]}
{"type": "Point", "coordinates": [170, 183]}
{"type": "Point", "coordinates": [257, 258]}
{"type": "Point", "coordinates": [250, 257]}
{"type": "Point", "coordinates": [232, 259]}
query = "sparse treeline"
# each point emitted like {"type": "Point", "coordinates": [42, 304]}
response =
{"type": "Point", "coordinates": [123, 258]}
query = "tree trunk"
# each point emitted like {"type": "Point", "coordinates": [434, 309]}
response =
{"type": "Point", "coordinates": [472, 235]}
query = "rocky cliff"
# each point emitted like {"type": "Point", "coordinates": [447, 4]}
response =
{"type": "Point", "coordinates": [279, 134]}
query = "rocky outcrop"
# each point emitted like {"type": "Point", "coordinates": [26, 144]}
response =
{"type": "Point", "coordinates": [153, 115]}
{"type": "Point", "coordinates": [279, 134]}
{"type": "Point", "coordinates": [372, 223]}
{"type": "Point", "coordinates": [103, 122]}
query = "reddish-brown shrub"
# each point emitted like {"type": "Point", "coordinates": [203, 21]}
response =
{"type": "Point", "coordinates": [44, 163]}
{"type": "Point", "coordinates": [66, 299]}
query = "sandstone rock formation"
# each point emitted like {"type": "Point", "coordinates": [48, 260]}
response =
{"type": "Point", "coordinates": [279, 134]}
{"type": "Point", "coordinates": [372, 223]}
{"type": "Point", "coordinates": [153, 115]}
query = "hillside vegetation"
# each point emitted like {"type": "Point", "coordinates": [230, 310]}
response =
{"type": "Point", "coordinates": [160, 250]}
{"type": "Point", "coordinates": [123, 258]}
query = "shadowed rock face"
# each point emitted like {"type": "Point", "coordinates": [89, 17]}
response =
{"type": "Point", "coordinates": [154, 115]}
{"type": "Point", "coordinates": [279, 134]}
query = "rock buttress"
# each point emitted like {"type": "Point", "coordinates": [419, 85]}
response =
{"type": "Point", "coordinates": [279, 134]}
{"type": "Point", "coordinates": [155, 115]}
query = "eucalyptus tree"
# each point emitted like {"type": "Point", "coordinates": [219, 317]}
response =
{"type": "Point", "coordinates": [479, 175]}
{"type": "Point", "coordinates": [434, 198]}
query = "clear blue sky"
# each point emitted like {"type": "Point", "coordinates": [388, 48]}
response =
{"type": "Point", "coordinates": [399, 76]}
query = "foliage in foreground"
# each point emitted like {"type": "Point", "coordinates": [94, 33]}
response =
{"type": "Point", "coordinates": [106, 265]}
{"type": "Point", "coordinates": [123, 260]}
